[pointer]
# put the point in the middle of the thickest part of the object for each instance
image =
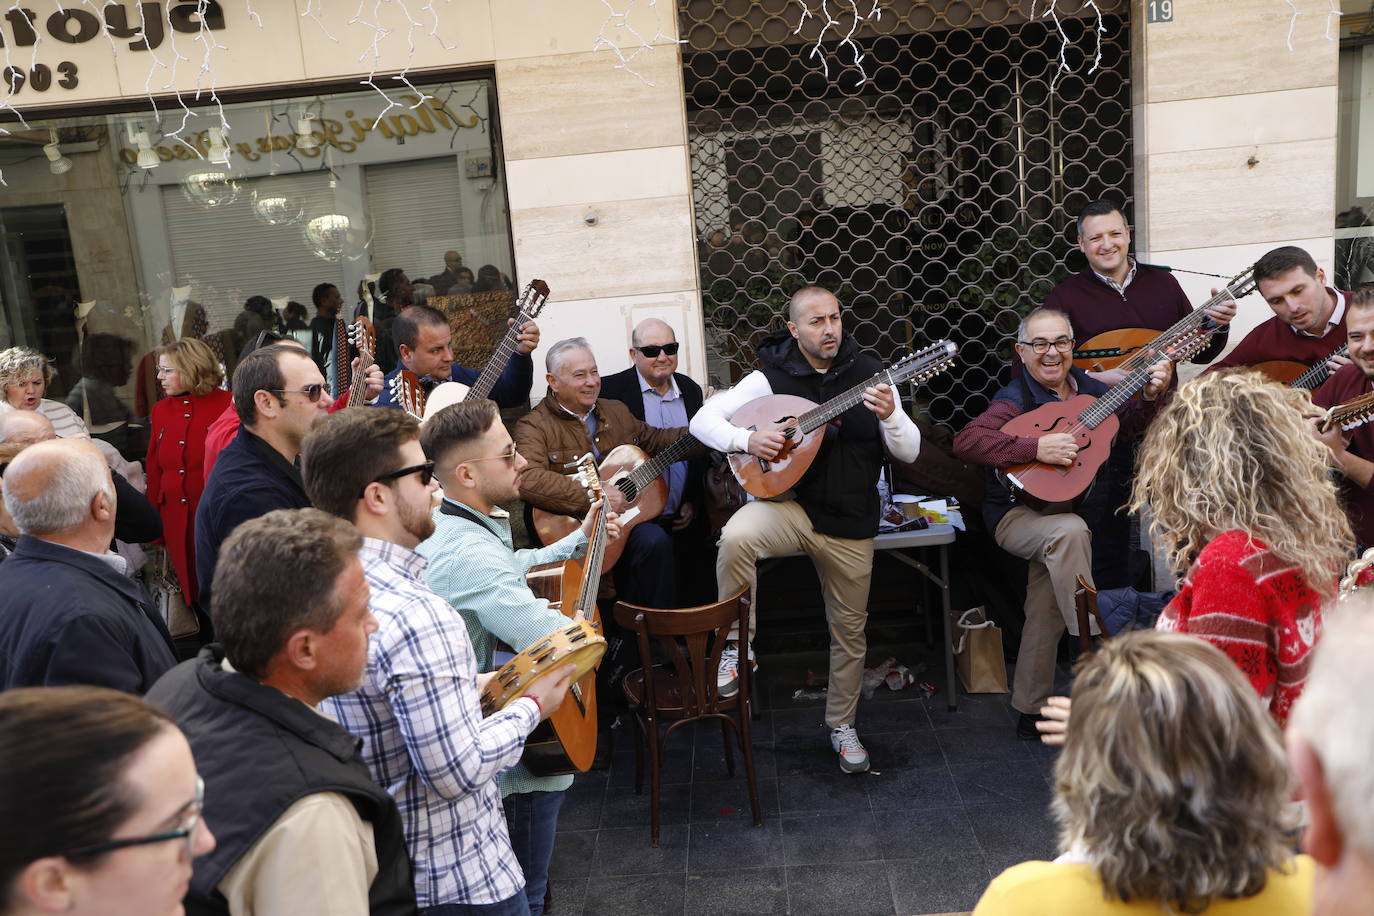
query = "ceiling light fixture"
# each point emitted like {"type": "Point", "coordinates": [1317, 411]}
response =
{"type": "Point", "coordinates": [57, 163]}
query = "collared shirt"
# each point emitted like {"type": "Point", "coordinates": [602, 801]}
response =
{"type": "Point", "coordinates": [1119, 287]}
{"type": "Point", "coordinates": [588, 421]}
{"type": "Point", "coordinates": [1337, 315]}
{"type": "Point", "coordinates": [424, 738]}
{"type": "Point", "coordinates": [474, 566]}
{"type": "Point", "coordinates": [667, 411]}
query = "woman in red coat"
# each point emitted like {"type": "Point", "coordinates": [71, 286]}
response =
{"type": "Point", "coordinates": [190, 376]}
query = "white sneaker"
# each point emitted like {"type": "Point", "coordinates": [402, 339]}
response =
{"type": "Point", "coordinates": [853, 757]}
{"type": "Point", "coordinates": [727, 675]}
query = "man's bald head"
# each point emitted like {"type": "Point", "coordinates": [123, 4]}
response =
{"type": "Point", "coordinates": [651, 326]}
{"type": "Point", "coordinates": [25, 426]}
{"type": "Point", "coordinates": [804, 297]}
{"type": "Point", "coordinates": [53, 487]}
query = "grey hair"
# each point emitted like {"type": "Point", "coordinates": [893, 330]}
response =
{"type": "Point", "coordinates": [1041, 313]}
{"type": "Point", "coordinates": [1339, 728]}
{"type": "Point", "coordinates": [553, 360]}
{"type": "Point", "coordinates": [15, 423]}
{"type": "Point", "coordinates": [16, 362]}
{"type": "Point", "coordinates": [74, 475]}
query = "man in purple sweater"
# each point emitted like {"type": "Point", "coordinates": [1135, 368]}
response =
{"type": "Point", "coordinates": [1353, 452]}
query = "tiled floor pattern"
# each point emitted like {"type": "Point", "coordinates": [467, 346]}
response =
{"type": "Point", "coordinates": [953, 799]}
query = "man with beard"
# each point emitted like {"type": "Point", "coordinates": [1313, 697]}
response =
{"type": "Point", "coordinates": [1353, 452]}
{"type": "Point", "coordinates": [279, 394]}
{"type": "Point", "coordinates": [418, 710]}
{"type": "Point", "coordinates": [834, 517]}
{"type": "Point", "coordinates": [473, 565]}
{"type": "Point", "coordinates": [1058, 544]}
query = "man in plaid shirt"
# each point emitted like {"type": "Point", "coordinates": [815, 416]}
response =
{"type": "Point", "coordinates": [418, 709]}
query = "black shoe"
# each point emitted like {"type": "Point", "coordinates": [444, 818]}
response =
{"type": "Point", "coordinates": [1025, 727]}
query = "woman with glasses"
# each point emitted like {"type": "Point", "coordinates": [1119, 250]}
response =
{"type": "Point", "coordinates": [101, 805]}
{"type": "Point", "coordinates": [1171, 794]}
{"type": "Point", "coordinates": [190, 378]}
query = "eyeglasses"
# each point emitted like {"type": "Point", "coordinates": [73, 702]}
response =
{"type": "Point", "coordinates": [185, 832]}
{"type": "Point", "coordinates": [509, 456]}
{"type": "Point", "coordinates": [653, 350]}
{"type": "Point", "coordinates": [1040, 345]}
{"type": "Point", "coordinates": [166, 370]}
{"type": "Point", "coordinates": [426, 472]}
{"type": "Point", "coordinates": [312, 392]}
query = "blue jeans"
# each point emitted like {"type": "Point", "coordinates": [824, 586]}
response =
{"type": "Point", "coordinates": [511, 906]}
{"type": "Point", "coordinates": [532, 818]}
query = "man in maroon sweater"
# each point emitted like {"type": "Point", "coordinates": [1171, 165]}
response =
{"type": "Point", "coordinates": [1114, 292]}
{"type": "Point", "coordinates": [1353, 452]}
{"type": "Point", "coordinates": [1309, 316]}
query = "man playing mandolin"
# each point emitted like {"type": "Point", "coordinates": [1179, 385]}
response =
{"type": "Point", "coordinates": [1058, 544]}
{"type": "Point", "coordinates": [1353, 451]}
{"type": "Point", "coordinates": [834, 515]}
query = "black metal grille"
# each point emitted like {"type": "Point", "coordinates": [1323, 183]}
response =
{"type": "Point", "coordinates": [932, 186]}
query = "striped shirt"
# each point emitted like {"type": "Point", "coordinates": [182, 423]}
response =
{"type": "Point", "coordinates": [473, 565]}
{"type": "Point", "coordinates": [425, 740]}
{"type": "Point", "coordinates": [64, 422]}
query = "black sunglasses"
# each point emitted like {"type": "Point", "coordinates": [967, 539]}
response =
{"type": "Point", "coordinates": [312, 392]}
{"type": "Point", "coordinates": [652, 350]}
{"type": "Point", "coordinates": [426, 472]}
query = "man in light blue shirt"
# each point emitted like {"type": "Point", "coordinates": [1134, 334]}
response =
{"type": "Point", "coordinates": [474, 567]}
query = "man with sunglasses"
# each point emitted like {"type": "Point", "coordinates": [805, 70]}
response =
{"type": "Point", "coordinates": [300, 823]}
{"type": "Point", "coordinates": [279, 395]}
{"type": "Point", "coordinates": [474, 567]}
{"type": "Point", "coordinates": [1057, 542]}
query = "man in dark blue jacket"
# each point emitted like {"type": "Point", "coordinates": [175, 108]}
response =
{"type": "Point", "coordinates": [71, 613]}
{"type": "Point", "coordinates": [425, 339]}
{"type": "Point", "coordinates": [279, 394]}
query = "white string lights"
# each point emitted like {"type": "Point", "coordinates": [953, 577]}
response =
{"type": "Point", "coordinates": [856, 19]}
{"type": "Point", "coordinates": [618, 23]}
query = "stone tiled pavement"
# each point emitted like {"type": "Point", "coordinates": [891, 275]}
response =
{"type": "Point", "coordinates": [954, 798]}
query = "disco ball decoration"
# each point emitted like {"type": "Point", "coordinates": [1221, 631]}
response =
{"type": "Point", "coordinates": [274, 209]}
{"type": "Point", "coordinates": [210, 189]}
{"type": "Point", "coordinates": [334, 237]}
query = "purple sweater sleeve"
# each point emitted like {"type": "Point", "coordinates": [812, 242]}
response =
{"type": "Point", "coordinates": [983, 442]}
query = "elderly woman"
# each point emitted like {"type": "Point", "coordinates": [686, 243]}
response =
{"type": "Point", "coordinates": [1170, 794]}
{"type": "Point", "coordinates": [190, 376]}
{"type": "Point", "coordinates": [1247, 513]}
{"type": "Point", "coordinates": [109, 802]}
{"type": "Point", "coordinates": [26, 373]}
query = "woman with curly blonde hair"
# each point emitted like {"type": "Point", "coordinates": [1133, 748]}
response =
{"type": "Point", "coordinates": [25, 374]}
{"type": "Point", "coordinates": [1247, 513]}
{"type": "Point", "coordinates": [1170, 794]}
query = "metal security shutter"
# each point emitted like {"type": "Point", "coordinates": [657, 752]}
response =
{"type": "Point", "coordinates": [417, 214]}
{"type": "Point", "coordinates": [230, 255]}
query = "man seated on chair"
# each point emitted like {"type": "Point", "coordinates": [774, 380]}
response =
{"type": "Point", "coordinates": [1058, 544]}
{"type": "Point", "coordinates": [474, 567]}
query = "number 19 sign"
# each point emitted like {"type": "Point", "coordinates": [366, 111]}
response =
{"type": "Point", "coordinates": [1161, 10]}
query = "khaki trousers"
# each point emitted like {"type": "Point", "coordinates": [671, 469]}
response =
{"type": "Point", "coordinates": [767, 528]}
{"type": "Point", "coordinates": [1059, 548]}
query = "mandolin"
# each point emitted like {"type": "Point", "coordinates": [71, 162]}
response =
{"type": "Point", "coordinates": [566, 741]}
{"type": "Point", "coordinates": [364, 338]}
{"type": "Point", "coordinates": [639, 478]}
{"type": "Point", "coordinates": [1300, 375]}
{"type": "Point", "coordinates": [1090, 420]}
{"type": "Point", "coordinates": [1354, 412]}
{"type": "Point", "coordinates": [1132, 348]}
{"type": "Point", "coordinates": [801, 421]}
{"type": "Point", "coordinates": [410, 392]}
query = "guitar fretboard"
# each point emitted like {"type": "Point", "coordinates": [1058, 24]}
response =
{"type": "Point", "coordinates": [1239, 286]}
{"type": "Point", "coordinates": [650, 470]}
{"type": "Point", "coordinates": [1319, 373]}
{"type": "Point", "coordinates": [928, 361]}
{"type": "Point", "coordinates": [499, 359]}
{"type": "Point", "coordinates": [1138, 378]}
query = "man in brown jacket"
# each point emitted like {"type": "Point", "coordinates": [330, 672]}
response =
{"type": "Point", "coordinates": [572, 421]}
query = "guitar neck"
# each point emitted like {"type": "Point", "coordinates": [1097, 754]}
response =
{"type": "Point", "coordinates": [343, 368]}
{"type": "Point", "coordinates": [1319, 373]}
{"type": "Point", "coordinates": [928, 361]}
{"type": "Point", "coordinates": [497, 364]}
{"type": "Point", "coordinates": [1351, 414]}
{"type": "Point", "coordinates": [1237, 287]}
{"type": "Point", "coordinates": [358, 389]}
{"type": "Point", "coordinates": [591, 568]}
{"type": "Point", "coordinates": [652, 469]}
{"type": "Point", "coordinates": [1139, 377]}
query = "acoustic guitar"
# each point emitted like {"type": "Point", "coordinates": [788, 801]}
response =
{"type": "Point", "coordinates": [1092, 422]}
{"type": "Point", "coordinates": [363, 337]}
{"type": "Point", "coordinates": [801, 421]}
{"type": "Point", "coordinates": [410, 394]}
{"type": "Point", "coordinates": [639, 478]}
{"type": "Point", "coordinates": [1300, 375]}
{"type": "Point", "coordinates": [566, 741]}
{"type": "Point", "coordinates": [1132, 348]}
{"type": "Point", "coordinates": [1354, 412]}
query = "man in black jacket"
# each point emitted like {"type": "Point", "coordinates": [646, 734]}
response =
{"type": "Point", "coordinates": [71, 613]}
{"type": "Point", "coordinates": [279, 394]}
{"type": "Point", "coordinates": [834, 516]}
{"type": "Point", "coordinates": [661, 396]}
{"type": "Point", "coordinates": [300, 827]}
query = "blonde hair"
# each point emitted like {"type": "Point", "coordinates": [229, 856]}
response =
{"type": "Point", "coordinates": [17, 362]}
{"type": "Point", "coordinates": [1235, 451]}
{"type": "Point", "coordinates": [1173, 777]}
{"type": "Point", "coordinates": [197, 363]}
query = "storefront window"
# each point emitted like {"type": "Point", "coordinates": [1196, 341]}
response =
{"type": "Point", "coordinates": [125, 232]}
{"type": "Point", "coordinates": [1355, 149]}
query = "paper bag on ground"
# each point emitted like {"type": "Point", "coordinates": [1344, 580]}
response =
{"type": "Point", "coordinates": [978, 652]}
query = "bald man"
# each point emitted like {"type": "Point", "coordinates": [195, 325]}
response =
{"type": "Point", "coordinates": [449, 282]}
{"type": "Point", "coordinates": [26, 427]}
{"type": "Point", "coordinates": [72, 614]}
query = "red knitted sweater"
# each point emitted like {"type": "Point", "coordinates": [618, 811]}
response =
{"type": "Point", "coordinates": [1258, 609]}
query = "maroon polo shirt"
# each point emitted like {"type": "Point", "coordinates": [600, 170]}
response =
{"type": "Point", "coordinates": [1346, 384]}
{"type": "Point", "coordinates": [1272, 339]}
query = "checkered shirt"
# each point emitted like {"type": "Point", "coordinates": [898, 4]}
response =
{"type": "Point", "coordinates": [425, 740]}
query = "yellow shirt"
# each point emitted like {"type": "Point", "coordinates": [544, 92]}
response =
{"type": "Point", "coordinates": [1073, 889]}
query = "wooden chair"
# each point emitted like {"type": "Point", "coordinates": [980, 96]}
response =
{"type": "Point", "coordinates": [683, 689]}
{"type": "Point", "coordinates": [1085, 603]}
